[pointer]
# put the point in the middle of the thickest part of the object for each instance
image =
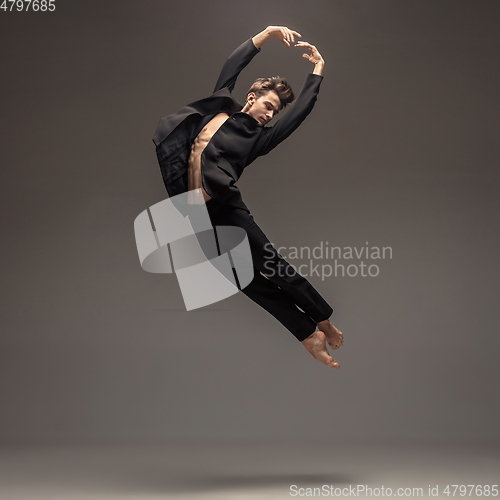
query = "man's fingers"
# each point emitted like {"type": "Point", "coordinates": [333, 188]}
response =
{"type": "Point", "coordinates": [305, 44]}
{"type": "Point", "coordinates": [292, 33]}
{"type": "Point", "coordinates": [301, 44]}
{"type": "Point", "coordinates": [286, 36]}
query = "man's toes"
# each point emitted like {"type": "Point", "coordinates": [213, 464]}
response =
{"type": "Point", "coordinates": [334, 364]}
{"type": "Point", "coordinates": [335, 344]}
{"type": "Point", "coordinates": [329, 361]}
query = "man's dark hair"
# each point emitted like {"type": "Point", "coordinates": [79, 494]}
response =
{"type": "Point", "coordinates": [262, 86]}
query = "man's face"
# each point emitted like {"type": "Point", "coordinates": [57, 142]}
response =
{"type": "Point", "coordinates": [265, 107]}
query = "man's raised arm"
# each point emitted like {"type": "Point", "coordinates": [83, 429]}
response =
{"type": "Point", "coordinates": [246, 52]}
{"type": "Point", "coordinates": [301, 107]}
{"type": "Point", "coordinates": [235, 63]}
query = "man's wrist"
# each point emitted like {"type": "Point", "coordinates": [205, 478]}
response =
{"type": "Point", "coordinates": [258, 40]}
{"type": "Point", "coordinates": [318, 68]}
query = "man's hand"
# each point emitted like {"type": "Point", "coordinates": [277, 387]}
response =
{"type": "Point", "coordinates": [282, 33]}
{"type": "Point", "coordinates": [314, 57]}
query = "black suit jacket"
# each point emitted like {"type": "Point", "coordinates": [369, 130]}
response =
{"type": "Point", "coordinates": [236, 144]}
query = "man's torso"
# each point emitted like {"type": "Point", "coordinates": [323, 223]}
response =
{"type": "Point", "coordinates": [199, 144]}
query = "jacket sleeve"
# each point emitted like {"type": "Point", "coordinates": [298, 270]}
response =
{"type": "Point", "coordinates": [235, 63]}
{"type": "Point", "coordinates": [303, 105]}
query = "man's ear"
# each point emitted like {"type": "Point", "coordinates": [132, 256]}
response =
{"type": "Point", "coordinates": [251, 97]}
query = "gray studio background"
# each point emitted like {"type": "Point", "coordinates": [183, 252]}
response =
{"type": "Point", "coordinates": [399, 151]}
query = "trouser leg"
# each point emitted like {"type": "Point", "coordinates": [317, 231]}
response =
{"type": "Point", "coordinates": [275, 301]}
{"type": "Point", "coordinates": [284, 288]}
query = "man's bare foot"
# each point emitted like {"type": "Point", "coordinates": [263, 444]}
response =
{"type": "Point", "coordinates": [334, 336]}
{"type": "Point", "coordinates": [316, 345]}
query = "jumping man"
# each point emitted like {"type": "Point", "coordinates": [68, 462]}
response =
{"type": "Point", "coordinates": [207, 144]}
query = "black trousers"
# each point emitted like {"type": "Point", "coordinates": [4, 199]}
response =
{"type": "Point", "coordinates": [281, 289]}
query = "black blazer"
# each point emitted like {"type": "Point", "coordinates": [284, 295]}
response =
{"type": "Point", "coordinates": [236, 144]}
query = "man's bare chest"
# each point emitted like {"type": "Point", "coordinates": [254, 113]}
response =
{"type": "Point", "coordinates": [208, 131]}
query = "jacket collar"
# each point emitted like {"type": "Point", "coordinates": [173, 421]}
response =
{"type": "Point", "coordinates": [245, 118]}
